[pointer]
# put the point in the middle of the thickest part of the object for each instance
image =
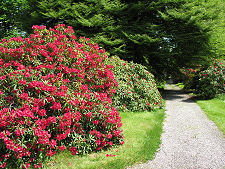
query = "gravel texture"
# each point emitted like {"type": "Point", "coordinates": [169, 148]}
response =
{"type": "Point", "coordinates": [190, 140]}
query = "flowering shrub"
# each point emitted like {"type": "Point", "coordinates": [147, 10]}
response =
{"type": "Point", "coordinates": [189, 73]}
{"type": "Point", "coordinates": [55, 94]}
{"type": "Point", "coordinates": [189, 77]}
{"type": "Point", "coordinates": [211, 81]}
{"type": "Point", "coordinates": [207, 81]}
{"type": "Point", "coordinates": [137, 89]}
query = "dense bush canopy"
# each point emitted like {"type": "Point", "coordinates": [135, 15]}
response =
{"type": "Point", "coordinates": [55, 94]}
{"type": "Point", "coordinates": [137, 89]}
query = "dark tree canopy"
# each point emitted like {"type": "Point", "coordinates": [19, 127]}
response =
{"type": "Point", "coordinates": [163, 35]}
{"type": "Point", "coordinates": [9, 10]}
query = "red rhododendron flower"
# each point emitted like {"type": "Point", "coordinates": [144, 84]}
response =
{"type": "Point", "coordinates": [22, 82]}
{"type": "Point", "coordinates": [56, 94]}
{"type": "Point", "coordinates": [56, 106]}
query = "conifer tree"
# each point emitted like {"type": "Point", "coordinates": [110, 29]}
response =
{"type": "Point", "coordinates": [164, 35]}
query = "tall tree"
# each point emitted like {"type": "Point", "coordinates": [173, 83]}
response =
{"type": "Point", "coordinates": [164, 35]}
{"type": "Point", "coordinates": [124, 28]}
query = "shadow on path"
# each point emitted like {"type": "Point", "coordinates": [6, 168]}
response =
{"type": "Point", "coordinates": [190, 139]}
{"type": "Point", "coordinates": [176, 94]}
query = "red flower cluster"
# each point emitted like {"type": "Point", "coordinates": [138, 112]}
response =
{"type": "Point", "coordinates": [55, 94]}
{"type": "Point", "coordinates": [110, 155]}
{"type": "Point", "coordinates": [189, 73]}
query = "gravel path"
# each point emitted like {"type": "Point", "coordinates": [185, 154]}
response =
{"type": "Point", "coordinates": [190, 140]}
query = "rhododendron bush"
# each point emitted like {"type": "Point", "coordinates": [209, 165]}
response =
{"type": "Point", "coordinates": [137, 89]}
{"type": "Point", "coordinates": [208, 81]}
{"type": "Point", "coordinates": [55, 94]}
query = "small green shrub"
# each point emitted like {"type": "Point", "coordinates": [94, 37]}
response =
{"type": "Point", "coordinates": [137, 89]}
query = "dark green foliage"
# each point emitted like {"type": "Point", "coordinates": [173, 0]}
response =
{"type": "Point", "coordinates": [164, 35]}
{"type": "Point", "coordinates": [18, 16]}
{"type": "Point", "coordinates": [8, 17]}
{"type": "Point", "coordinates": [190, 28]}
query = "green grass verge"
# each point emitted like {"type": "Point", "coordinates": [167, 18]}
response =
{"type": "Point", "coordinates": [161, 85]}
{"type": "Point", "coordinates": [215, 110]}
{"type": "Point", "coordinates": [180, 85]}
{"type": "Point", "coordinates": [142, 131]}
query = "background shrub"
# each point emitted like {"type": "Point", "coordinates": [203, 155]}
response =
{"type": "Point", "coordinates": [207, 81]}
{"type": "Point", "coordinates": [211, 81]}
{"type": "Point", "coordinates": [137, 89]}
{"type": "Point", "coordinates": [189, 77]}
{"type": "Point", "coordinates": [55, 94]}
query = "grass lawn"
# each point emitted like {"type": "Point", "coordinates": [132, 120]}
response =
{"type": "Point", "coordinates": [180, 85]}
{"type": "Point", "coordinates": [142, 133]}
{"type": "Point", "coordinates": [215, 110]}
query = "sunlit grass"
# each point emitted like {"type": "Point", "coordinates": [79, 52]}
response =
{"type": "Point", "coordinates": [142, 132]}
{"type": "Point", "coordinates": [180, 85]}
{"type": "Point", "coordinates": [215, 110]}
